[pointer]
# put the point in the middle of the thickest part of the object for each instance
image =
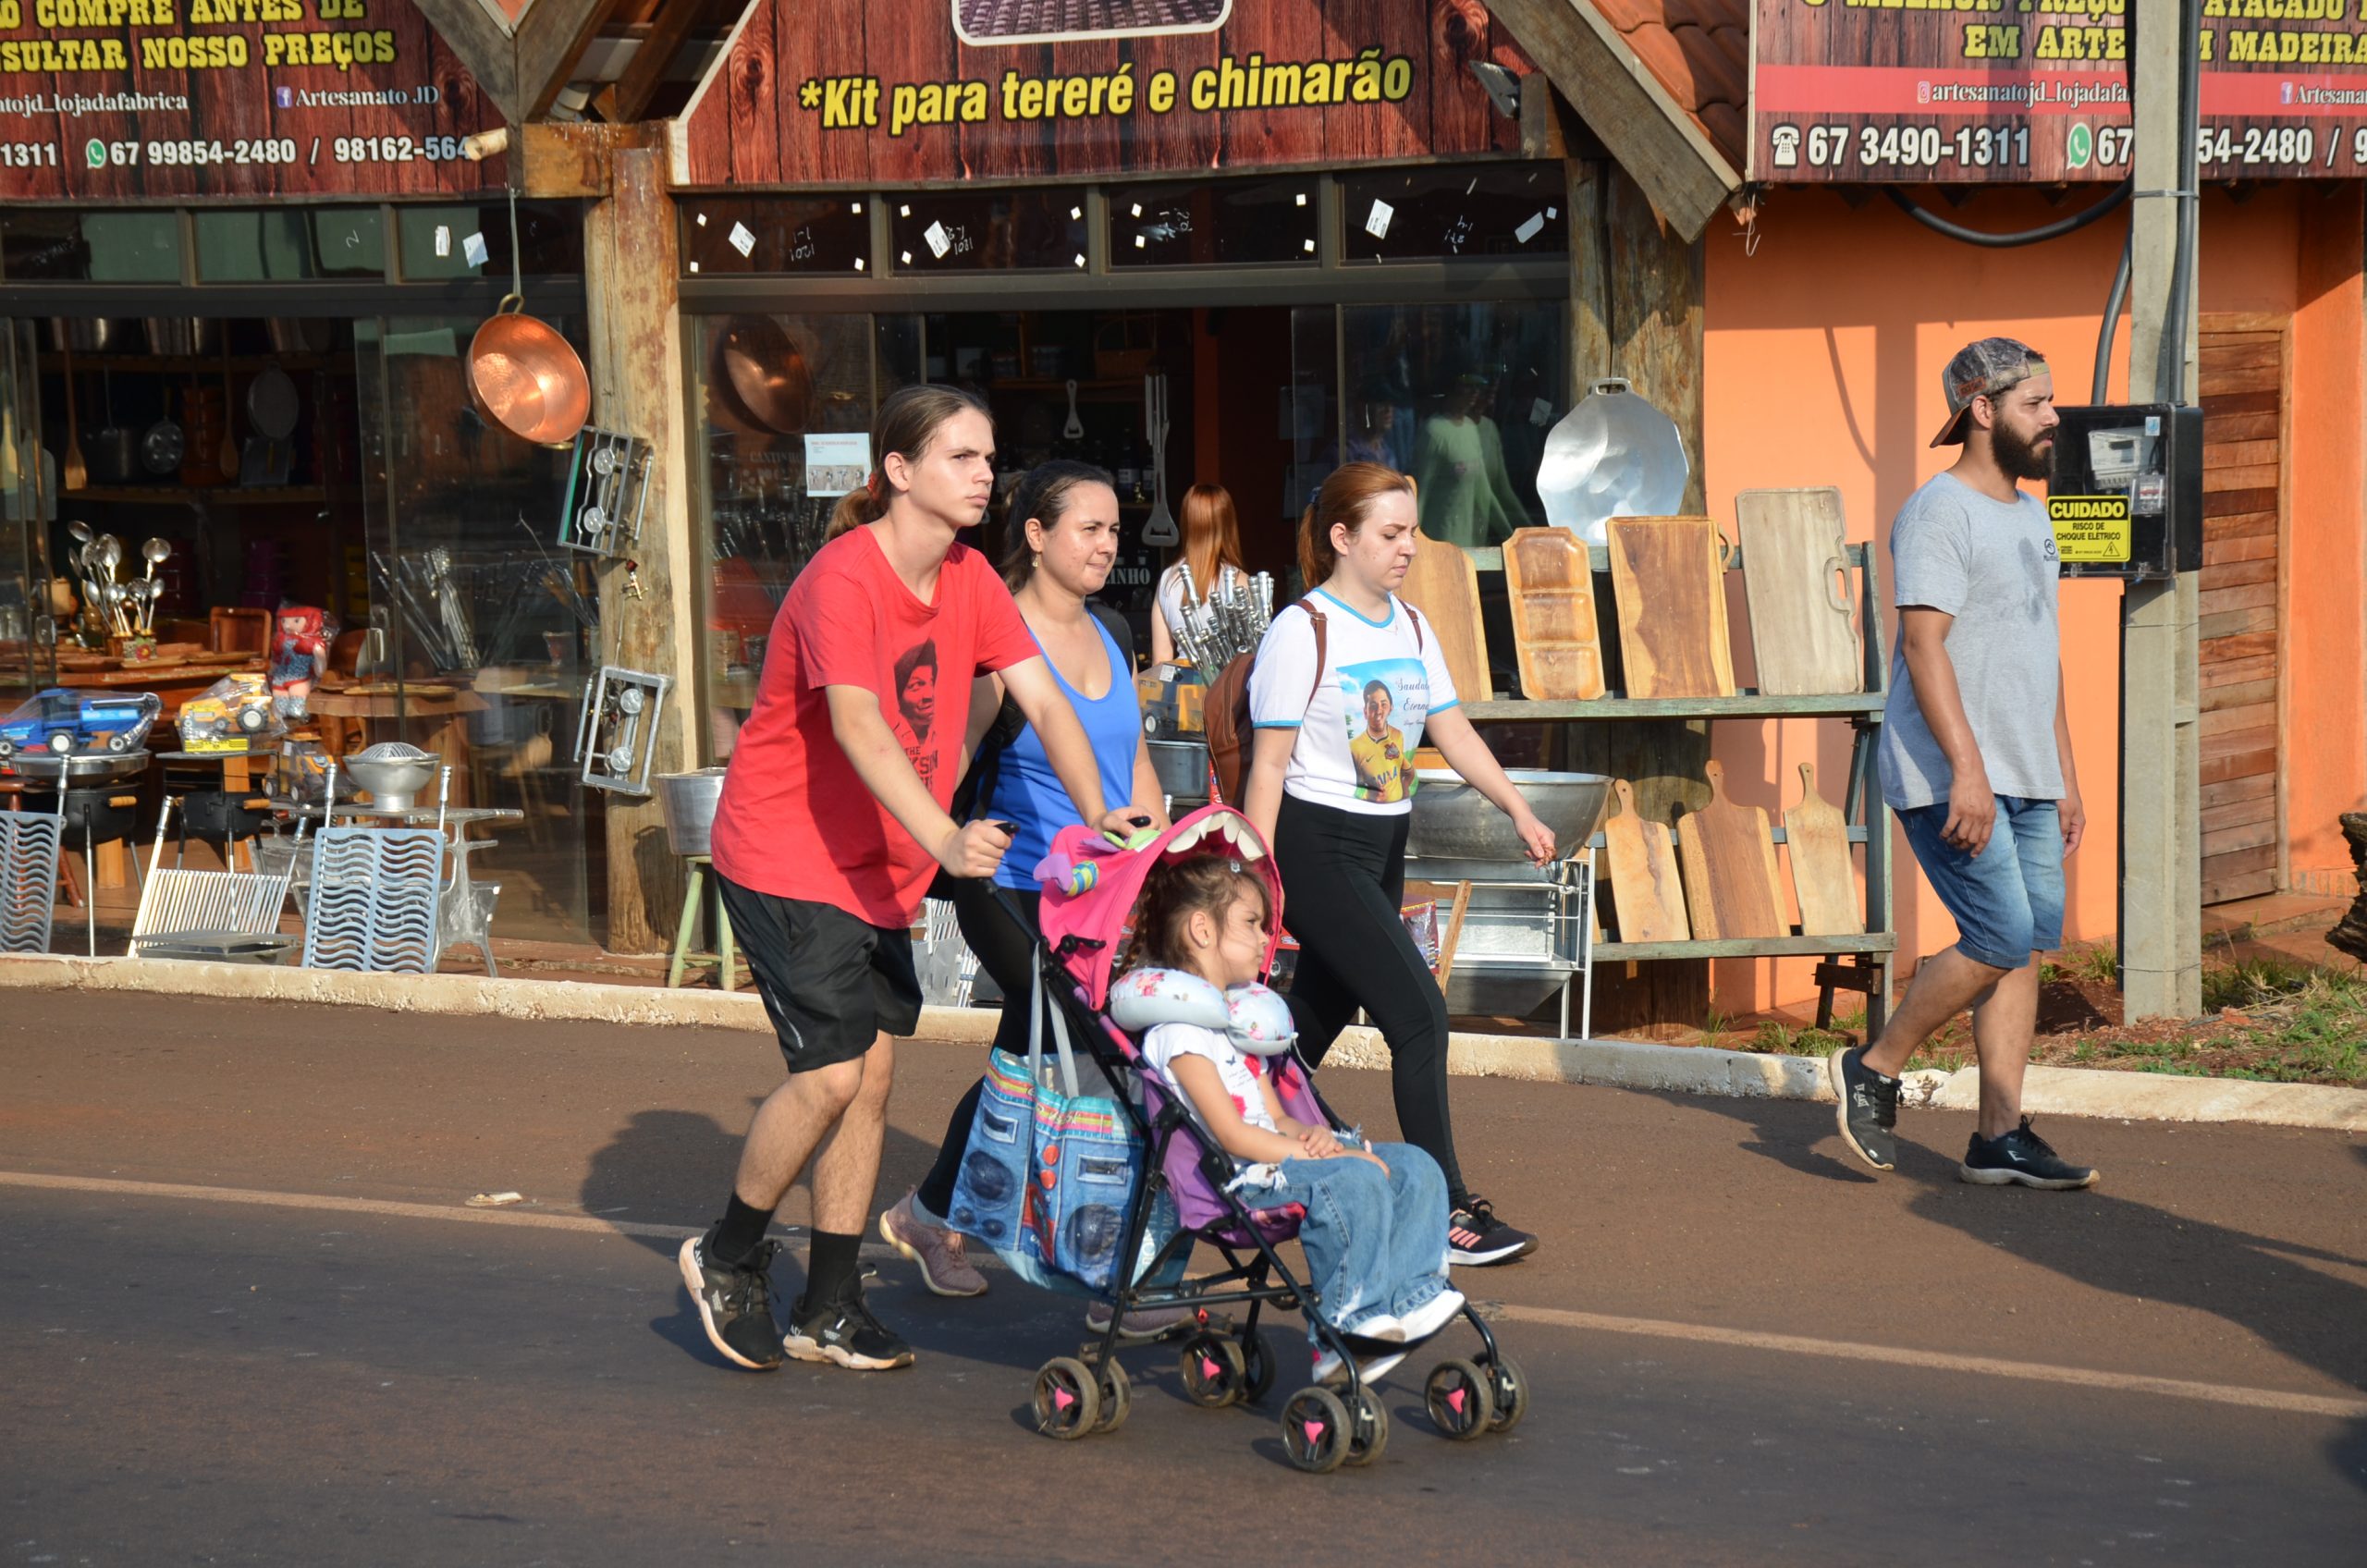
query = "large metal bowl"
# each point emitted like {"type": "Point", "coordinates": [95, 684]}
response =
{"type": "Point", "coordinates": [1454, 821]}
{"type": "Point", "coordinates": [1182, 768]}
{"type": "Point", "coordinates": [689, 801]}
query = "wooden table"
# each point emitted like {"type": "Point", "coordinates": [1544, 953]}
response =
{"type": "Point", "coordinates": [347, 719]}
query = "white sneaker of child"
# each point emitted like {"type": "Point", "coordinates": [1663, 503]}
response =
{"type": "Point", "coordinates": [1328, 1368]}
{"type": "Point", "coordinates": [1431, 1317]}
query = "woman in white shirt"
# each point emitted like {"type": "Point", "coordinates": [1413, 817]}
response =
{"type": "Point", "coordinates": [1211, 541]}
{"type": "Point", "coordinates": [1331, 787]}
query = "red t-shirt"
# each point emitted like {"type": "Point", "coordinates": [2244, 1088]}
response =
{"type": "Point", "coordinates": [795, 820]}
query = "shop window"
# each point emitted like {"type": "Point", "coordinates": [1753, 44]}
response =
{"type": "Point", "coordinates": [1232, 221]}
{"type": "Point", "coordinates": [966, 231]}
{"type": "Point", "coordinates": [823, 234]}
{"type": "Point", "coordinates": [786, 405]}
{"type": "Point", "coordinates": [290, 243]}
{"type": "Point", "coordinates": [1487, 210]}
{"type": "Point", "coordinates": [62, 245]}
{"type": "Point", "coordinates": [473, 240]}
{"type": "Point", "coordinates": [1460, 396]}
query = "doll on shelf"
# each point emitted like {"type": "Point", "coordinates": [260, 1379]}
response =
{"type": "Point", "coordinates": [299, 655]}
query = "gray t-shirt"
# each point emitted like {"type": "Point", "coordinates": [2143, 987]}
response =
{"type": "Point", "coordinates": [1992, 567]}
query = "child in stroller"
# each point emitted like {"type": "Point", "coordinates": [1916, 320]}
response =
{"type": "Point", "coordinates": [1242, 1154]}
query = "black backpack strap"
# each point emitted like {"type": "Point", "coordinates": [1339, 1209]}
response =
{"type": "Point", "coordinates": [1317, 617]}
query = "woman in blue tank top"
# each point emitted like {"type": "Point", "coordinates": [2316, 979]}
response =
{"type": "Point", "coordinates": [1061, 541]}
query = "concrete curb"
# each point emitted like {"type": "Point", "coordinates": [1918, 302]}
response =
{"type": "Point", "coordinates": [1627, 1064]}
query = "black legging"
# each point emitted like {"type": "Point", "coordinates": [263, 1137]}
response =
{"type": "Point", "coordinates": [1006, 951]}
{"type": "Point", "coordinates": [1343, 886]}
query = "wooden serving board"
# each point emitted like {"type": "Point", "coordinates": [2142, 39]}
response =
{"type": "Point", "coordinates": [1818, 838]}
{"type": "Point", "coordinates": [1728, 858]}
{"type": "Point", "coordinates": [1444, 586]}
{"type": "Point", "coordinates": [1794, 558]}
{"type": "Point", "coordinates": [1669, 577]}
{"type": "Point", "coordinates": [1646, 886]}
{"type": "Point", "coordinates": [1552, 585]}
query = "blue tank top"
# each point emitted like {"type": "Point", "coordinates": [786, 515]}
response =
{"type": "Point", "coordinates": [1028, 792]}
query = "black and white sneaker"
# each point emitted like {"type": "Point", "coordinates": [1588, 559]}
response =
{"type": "Point", "coordinates": [844, 1331]}
{"type": "Point", "coordinates": [735, 1303]}
{"type": "Point", "coordinates": [1475, 1237]}
{"type": "Point", "coordinates": [1868, 1111]}
{"type": "Point", "coordinates": [2021, 1157]}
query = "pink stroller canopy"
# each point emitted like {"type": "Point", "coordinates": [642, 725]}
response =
{"type": "Point", "coordinates": [1091, 886]}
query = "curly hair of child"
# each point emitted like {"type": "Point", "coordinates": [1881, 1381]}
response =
{"type": "Point", "coordinates": [1173, 892]}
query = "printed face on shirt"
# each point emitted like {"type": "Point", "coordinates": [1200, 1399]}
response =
{"type": "Point", "coordinates": [916, 689]}
{"type": "Point", "coordinates": [1371, 693]}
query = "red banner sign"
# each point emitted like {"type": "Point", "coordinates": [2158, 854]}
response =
{"type": "Point", "coordinates": [821, 92]}
{"type": "Point", "coordinates": [2002, 91]}
{"type": "Point", "coordinates": [115, 99]}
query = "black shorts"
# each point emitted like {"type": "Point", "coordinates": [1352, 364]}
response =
{"type": "Point", "coordinates": [831, 982]}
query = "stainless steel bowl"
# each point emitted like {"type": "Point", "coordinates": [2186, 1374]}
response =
{"type": "Point", "coordinates": [392, 772]}
{"type": "Point", "coordinates": [689, 801]}
{"type": "Point", "coordinates": [1182, 766]}
{"type": "Point", "coordinates": [1454, 821]}
{"type": "Point", "coordinates": [91, 768]}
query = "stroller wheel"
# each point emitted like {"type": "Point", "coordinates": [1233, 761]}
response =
{"type": "Point", "coordinates": [1117, 1397]}
{"type": "Point", "coordinates": [1512, 1395]}
{"type": "Point", "coordinates": [1068, 1398]}
{"type": "Point", "coordinates": [1460, 1400]}
{"type": "Point", "coordinates": [1258, 1363]}
{"type": "Point", "coordinates": [1214, 1373]}
{"type": "Point", "coordinates": [1316, 1430]}
{"type": "Point", "coordinates": [1368, 1428]}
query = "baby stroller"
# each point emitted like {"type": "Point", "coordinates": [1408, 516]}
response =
{"type": "Point", "coordinates": [1091, 888]}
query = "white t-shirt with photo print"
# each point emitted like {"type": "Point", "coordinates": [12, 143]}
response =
{"type": "Point", "coordinates": [1381, 681]}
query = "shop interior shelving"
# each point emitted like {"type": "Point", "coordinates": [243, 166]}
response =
{"type": "Point", "coordinates": [1865, 812]}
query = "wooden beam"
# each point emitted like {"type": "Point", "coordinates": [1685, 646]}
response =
{"type": "Point", "coordinates": [552, 37]}
{"type": "Point", "coordinates": [1620, 100]}
{"type": "Point", "coordinates": [622, 101]}
{"type": "Point", "coordinates": [474, 32]}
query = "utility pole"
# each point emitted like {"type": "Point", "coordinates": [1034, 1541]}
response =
{"type": "Point", "coordinates": [2161, 817]}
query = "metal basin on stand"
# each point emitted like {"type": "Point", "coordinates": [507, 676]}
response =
{"type": "Point", "coordinates": [1454, 821]}
{"type": "Point", "coordinates": [689, 801]}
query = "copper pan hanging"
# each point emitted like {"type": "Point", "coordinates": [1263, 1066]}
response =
{"type": "Point", "coordinates": [767, 375]}
{"type": "Point", "coordinates": [523, 377]}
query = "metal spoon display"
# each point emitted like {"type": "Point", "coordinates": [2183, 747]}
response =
{"type": "Point", "coordinates": [157, 551]}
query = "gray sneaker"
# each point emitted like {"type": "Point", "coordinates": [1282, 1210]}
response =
{"type": "Point", "coordinates": [2021, 1159]}
{"type": "Point", "coordinates": [1868, 1108]}
{"type": "Point", "coordinates": [735, 1303]}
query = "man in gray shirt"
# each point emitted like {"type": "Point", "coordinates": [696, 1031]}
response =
{"type": "Point", "coordinates": [1976, 759]}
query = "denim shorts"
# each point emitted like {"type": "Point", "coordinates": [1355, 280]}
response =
{"type": "Point", "coordinates": [2007, 900]}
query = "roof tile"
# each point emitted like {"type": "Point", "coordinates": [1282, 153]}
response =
{"type": "Point", "coordinates": [1699, 51]}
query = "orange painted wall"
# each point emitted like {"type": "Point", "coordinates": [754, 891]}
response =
{"type": "Point", "coordinates": [1824, 341]}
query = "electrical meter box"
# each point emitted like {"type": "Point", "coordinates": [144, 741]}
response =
{"type": "Point", "coordinates": [2125, 493]}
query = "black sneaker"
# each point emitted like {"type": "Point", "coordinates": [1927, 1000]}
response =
{"type": "Point", "coordinates": [1867, 1109]}
{"type": "Point", "coordinates": [2021, 1156]}
{"type": "Point", "coordinates": [844, 1331]}
{"type": "Point", "coordinates": [736, 1305]}
{"type": "Point", "coordinates": [1475, 1237]}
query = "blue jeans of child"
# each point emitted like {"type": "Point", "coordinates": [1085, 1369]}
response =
{"type": "Point", "coordinates": [1375, 1242]}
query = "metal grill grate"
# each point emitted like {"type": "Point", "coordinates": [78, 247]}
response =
{"type": "Point", "coordinates": [28, 843]}
{"type": "Point", "coordinates": [374, 899]}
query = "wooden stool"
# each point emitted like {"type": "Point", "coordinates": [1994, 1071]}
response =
{"type": "Point", "coordinates": [685, 957]}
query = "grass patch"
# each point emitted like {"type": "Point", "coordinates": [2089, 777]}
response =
{"type": "Point", "coordinates": [2097, 965]}
{"type": "Point", "coordinates": [1776, 1037]}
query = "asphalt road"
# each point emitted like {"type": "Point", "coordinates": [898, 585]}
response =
{"type": "Point", "coordinates": [1744, 1349]}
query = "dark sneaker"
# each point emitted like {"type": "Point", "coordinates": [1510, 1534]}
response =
{"type": "Point", "coordinates": [2021, 1157]}
{"type": "Point", "coordinates": [1475, 1237]}
{"type": "Point", "coordinates": [736, 1305]}
{"type": "Point", "coordinates": [844, 1331]}
{"type": "Point", "coordinates": [1867, 1109]}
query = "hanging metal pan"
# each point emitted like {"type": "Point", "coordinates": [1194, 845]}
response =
{"type": "Point", "coordinates": [766, 372]}
{"type": "Point", "coordinates": [272, 404]}
{"type": "Point", "coordinates": [526, 378]}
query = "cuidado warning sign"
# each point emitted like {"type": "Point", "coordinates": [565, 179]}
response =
{"type": "Point", "coordinates": [2092, 528]}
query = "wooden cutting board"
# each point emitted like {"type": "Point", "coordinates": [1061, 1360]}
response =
{"type": "Point", "coordinates": [1444, 586]}
{"type": "Point", "coordinates": [1728, 859]}
{"type": "Point", "coordinates": [1552, 585]}
{"type": "Point", "coordinates": [1794, 561]}
{"type": "Point", "coordinates": [1668, 575]}
{"type": "Point", "coordinates": [1646, 886]}
{"type": "Point", "coordinates": [1818, 838]}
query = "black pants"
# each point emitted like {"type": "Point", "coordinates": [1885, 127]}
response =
{"type": "Point", "coordinates": [1006, 951]}
{"type": "Point", "coordinates": [1343, 886]}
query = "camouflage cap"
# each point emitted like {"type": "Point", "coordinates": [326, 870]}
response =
{"type": "Point", "coordinates": [1983, 370]}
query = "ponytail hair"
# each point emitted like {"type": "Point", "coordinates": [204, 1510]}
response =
{"type": "Point", "coordinates": [1347, 495]}
{"type": "Point", "coordinates": [1211, 535]}
{"type": "Point", "coordinates": [908, 420]}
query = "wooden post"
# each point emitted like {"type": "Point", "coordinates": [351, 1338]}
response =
{"type": "Point", "coordinates": [631, 272]}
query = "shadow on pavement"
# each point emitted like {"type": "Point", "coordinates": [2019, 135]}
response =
{"type": "Point", "coordinates": [2117, 1244]}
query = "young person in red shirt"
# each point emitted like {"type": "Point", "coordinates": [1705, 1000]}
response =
{"type": "Point", "coordinates": [831, 825]}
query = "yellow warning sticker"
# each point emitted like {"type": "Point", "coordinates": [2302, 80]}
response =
{"type": "Point", "coordinates": [2092, 528]}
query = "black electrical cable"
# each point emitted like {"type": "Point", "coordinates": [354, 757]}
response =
{"type": "Point", "coordinates": [2100, 388]}
{"type": "Point", "coordinates": [2056, 230]}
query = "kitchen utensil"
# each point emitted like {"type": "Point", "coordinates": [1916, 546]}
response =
{"type": "Point", "coordinates": [526, 378]}
{"type": "Point", "coordinates": [161, 447]}
{"type": "Point", "coordinates": [1818, 838]}
{"type": "Point", "coordinates": [1614, 455]}
{"type": "Point", "coordinates": [1454, 821]}
{"type": "Point", "coordinates": [1668, 575]}
{"type": "Point", "coordinates": [227, 458]}
{"type": "Point", "coordinates": [156, 553]}
{"type": "Point", "coordinates": [87, 335]}
{"type": "Point", "coordinates": [1550, 579]}
{"type": "Point", "coordinates": [1646, 886]}
{"type": "Point", "coordinates": [77, 471]}
{"type": "Point", "coordinates": [763, 376]}
{"type": "Point", "coordinates": [1074, 429]}
{"type": "Point", "coordinates": [616, 737]}
{"type": "Point", "coordinates": [1728, 857]}
{"type": "Point", "coordinates": [689, 801]}
{"type": "Point", "coordinates": [393, 772]}
{"type": "Point", "coordinates": [1444, 586]}
{"type": "Point", "coordinates": [115, 457]}
{"type": "Point", "coordinates": [1159, 529]}
{"type": "Point", "coordinates": [272, 404]}
{"type": "Point", "coordinates": [182, 335]}
{"type": "Point", "coordinates": [1795, 564]}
